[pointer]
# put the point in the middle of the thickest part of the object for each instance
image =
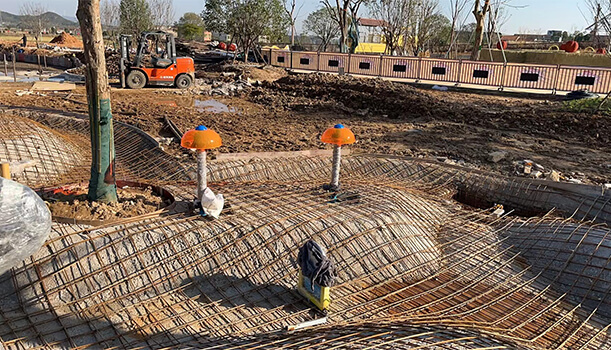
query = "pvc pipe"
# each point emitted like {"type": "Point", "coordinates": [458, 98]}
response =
{"type": "Point", "coordinates": [201, 174]}
{"type": "Point", "coordinates": [337, 157]}
{"type": "Point", "coordinates": [307, 324]}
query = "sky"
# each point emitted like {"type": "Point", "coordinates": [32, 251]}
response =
{"type": "Point", "coordinates": [532, 16]}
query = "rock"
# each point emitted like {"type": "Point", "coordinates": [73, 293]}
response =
{"type": "Point", "coordinates": [23, 92]}
{"type": "Point", "coordinates": [497, 156]}
{"type": "Point", "coordinates": [554, 176]}
{"type": "Point", "coordinates": [575, 181]}
{"type": "Point", "coordinates": [498, 211]}
{"type": "Point", "coordinates": [165, 140]}
{"type": "Point", "coordinates": [607, 186]}
{"type": "Point", "coordinates": [221, 91]}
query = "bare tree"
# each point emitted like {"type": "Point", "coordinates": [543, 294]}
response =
{"type": "Point", "coordinates": [457, 8]}
{"type": "Point", "coordinates": [290, 7]}
{"type": "Point", "coordinates": [322, 25]}
{"type": "Point", "coordinates": [427, 21]}
{"type": "Point", "coordinates": [247, 21]}
{"type": "Point", "coordinates": [135, 17]}
{"type": "Point", "coordinates": [162, 13]}
{"type": "Point", "coordinates": [33, 18]}
{"type": "Point", "coordinates": [109, 13]}
{"type": "Point", "coordinates": [479, 11]}
{"type": "Point", "coordinates": [343, 12]}
{"type": "Point", "coordinates": [397, 15]}
{"type": "Point", "coordinates": [600, 18]}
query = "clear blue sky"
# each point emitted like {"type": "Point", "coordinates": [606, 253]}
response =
{"type": "Point", "coordinates": [537, 16]}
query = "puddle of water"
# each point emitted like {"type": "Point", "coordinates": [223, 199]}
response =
{"type": "Point", "coordinates": [30, 79]}
{"type": "Point", "coordinates": [170, 103]}
{"type": "Point", "coordinates": [213, 106]}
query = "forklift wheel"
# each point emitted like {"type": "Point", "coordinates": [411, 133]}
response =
{"type": "Point", "coordinates": [136, 79]}
{"type": "Point", "coordinates": [183, 81]}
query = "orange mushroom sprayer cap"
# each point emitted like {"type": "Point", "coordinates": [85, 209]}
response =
{"type": "Point", "coordinates": [338, 135]}
{"type": "Point", "coordinates": [201, 138]}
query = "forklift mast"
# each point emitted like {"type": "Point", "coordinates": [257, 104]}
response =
{"type": "Point", "coordinates": [124, 62]}
{"type": "Point", "coordinates": [156, 37]}
{"type": "Point", "coordinates": [125, 42]}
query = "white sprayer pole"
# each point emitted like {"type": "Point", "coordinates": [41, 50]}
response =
{"type": "Point", "coordinates": [201, 174]}
{"type": "Point", "coordinates": [337, 157]}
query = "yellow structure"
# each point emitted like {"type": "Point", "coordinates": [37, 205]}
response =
{"type": "Point", "coordinates": [318, 295]}
{"type": "Point", "coordinates": [5, 172]}
{"type": "Point", "coordinates": [365, 48]}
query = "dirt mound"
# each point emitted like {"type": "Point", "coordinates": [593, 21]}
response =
{"type": "Point", "coordinates": [66, 40]}
{"type": "Point", "coordinates": [374, 95]}
{"type": "Point", "coordinates": [132, 202]}
{"type": "Point", "coordinates": [239, 70]}
{"type": "Point", "coordinates": [391, 100]}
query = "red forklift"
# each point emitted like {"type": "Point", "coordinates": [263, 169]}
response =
{"type": "Point", "coordinates": [154, 62]}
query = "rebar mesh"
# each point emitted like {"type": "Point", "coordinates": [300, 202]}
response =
{"type": "Point", "coordinates": [416, 268]}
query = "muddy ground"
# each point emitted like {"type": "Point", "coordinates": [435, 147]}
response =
{"type": "Point", "coordinates": [389, 118]}
{"type": "Point", "coordinates": [132, 202]}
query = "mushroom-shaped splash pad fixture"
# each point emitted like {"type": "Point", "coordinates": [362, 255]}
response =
{"type": "Point", "coordinates": [202, 139]}
{"type": "Point", "coordinates": [338, 136]}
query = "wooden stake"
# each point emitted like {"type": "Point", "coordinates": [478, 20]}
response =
{"type": "Point", "coordinates": [14, 69]}
{"type": "Point", "coordinates": [5, 171]}
{"type": "Point", "coordinates": [5, 65]}
{"type": "Point", "coordinates": [39, 67]}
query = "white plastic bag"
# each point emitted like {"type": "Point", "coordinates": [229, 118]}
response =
{"type": "Point", "coordinates": [25, 223]}
{"type": "Point", "coordinates": [211, 204]}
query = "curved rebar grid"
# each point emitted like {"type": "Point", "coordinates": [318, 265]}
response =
{"type": "Point", "coordinates": [416, 267]}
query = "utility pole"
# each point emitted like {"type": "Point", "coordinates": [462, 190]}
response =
{"type": "Point", "coordinates": [102, 185]}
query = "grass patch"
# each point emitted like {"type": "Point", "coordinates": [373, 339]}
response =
{"type": "Point", "coordinates": [588, 105]}
{"type": "Point", "coordinates": [17, 37]}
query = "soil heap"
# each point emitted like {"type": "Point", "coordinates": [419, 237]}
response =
{"type": "Point", "coordinates": [66, 40]}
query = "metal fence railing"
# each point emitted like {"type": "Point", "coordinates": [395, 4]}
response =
{"type": "Point", "coordinates": [493, 74]}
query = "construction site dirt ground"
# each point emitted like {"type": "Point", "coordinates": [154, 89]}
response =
{"type": "Point", "coordinates": [290, 114]}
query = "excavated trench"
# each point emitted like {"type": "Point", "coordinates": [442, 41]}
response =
{"type": "Point", "coordinates": [416, 266]}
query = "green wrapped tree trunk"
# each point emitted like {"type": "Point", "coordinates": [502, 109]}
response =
{"type": "Point", "coordinates": [102, 184]}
